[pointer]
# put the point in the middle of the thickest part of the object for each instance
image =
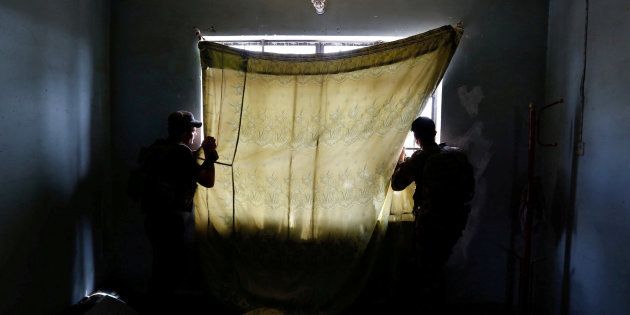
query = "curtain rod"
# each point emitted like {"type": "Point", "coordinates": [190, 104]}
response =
{"type": "Point", "coordinates": [297, 42]}
{"type": "Point", "coordinates": [459, 26]}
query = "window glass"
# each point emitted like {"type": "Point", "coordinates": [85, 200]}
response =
{"type": "Point", "coordinates": [334, 49]}
{"type": "Point", "coordinates": [292, 49]}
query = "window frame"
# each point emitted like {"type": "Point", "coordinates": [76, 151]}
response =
{"type": "Point", "coordinates": [320, 42]}
{"type": "Point", "coordinates": [435, 101]}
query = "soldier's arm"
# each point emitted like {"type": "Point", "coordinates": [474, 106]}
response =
{"type": "Point", "coordinates": [205, 174]}
{"type": "Point", "coordinates": [205, 177]}
{"type": "Point", "coordinates": [404, 173]}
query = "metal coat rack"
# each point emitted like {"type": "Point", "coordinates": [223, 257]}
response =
{"type": "Point", "coordinates": [531, 205]}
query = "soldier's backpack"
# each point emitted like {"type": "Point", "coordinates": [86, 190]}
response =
{"type": "Point", "coordinates": [447, 177]}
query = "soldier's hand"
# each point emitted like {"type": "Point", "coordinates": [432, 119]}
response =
{"type": "Point", "coordinates": [209, 144]}
{"type": "Point", "coordinates": [402, 156]}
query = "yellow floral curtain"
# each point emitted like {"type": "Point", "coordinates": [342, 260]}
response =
{"type": "Point", "coordinates": [307, 145]}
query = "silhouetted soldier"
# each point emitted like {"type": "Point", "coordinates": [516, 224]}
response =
{"type": "Point", "coordinates": [165, 183]}
{"type": "Point", "coordinates": [444, 186]}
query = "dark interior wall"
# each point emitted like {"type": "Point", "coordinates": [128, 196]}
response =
{"type": "Point", "coordinates": [498, 69]}
{"type": "Point", "coordinates": [588, 212]}
{"type": "Point", "coordinates": [53, 151]}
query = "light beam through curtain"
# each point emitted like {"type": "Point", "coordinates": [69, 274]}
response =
{"type": "Point", "coordinates": [307, 145]}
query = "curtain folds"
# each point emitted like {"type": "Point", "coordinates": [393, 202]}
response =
{"type": "Point", "coordinates": [307, 147]}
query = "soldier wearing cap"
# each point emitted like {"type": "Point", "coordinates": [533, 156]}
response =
{"type": "Point", "coordinates": [444, 187]}
{"type": "Point", "coordinates": [168, 175]}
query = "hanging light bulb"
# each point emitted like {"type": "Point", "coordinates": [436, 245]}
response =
{"type": "Point", "coordinates": [319, 6]}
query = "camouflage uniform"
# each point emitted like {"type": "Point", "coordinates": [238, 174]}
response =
{"type": "Point", "coordinates": [168, 184]}
{"type": "Point", "coordinates": [444, 186]}
{"type": "Point", "coordinates": [171, 172]}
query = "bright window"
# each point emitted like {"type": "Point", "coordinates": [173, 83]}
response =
{"type": "Point", "coordinates": [432, 109]}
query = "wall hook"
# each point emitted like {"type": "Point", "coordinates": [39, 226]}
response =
{"type": "Point", "coordinates": [555, 144]}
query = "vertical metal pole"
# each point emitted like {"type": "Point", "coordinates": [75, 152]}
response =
{"type": "Point", "coordinates": [525, 277]}
{"type": "Point", "coordinates": [319, 48]}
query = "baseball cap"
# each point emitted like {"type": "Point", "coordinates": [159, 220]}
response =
{"type": "Point", "coordinates": [182, 119]}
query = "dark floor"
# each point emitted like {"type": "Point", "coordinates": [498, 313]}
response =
{"type": "Point", "coordinates": [388, 291]}
{"type": "Point", "coordinates": [194, 303]}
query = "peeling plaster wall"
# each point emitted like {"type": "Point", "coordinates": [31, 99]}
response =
{"type": "Point", "coordinates": [498, 69]}
{"type": "Point", "coordinates": [53, 151]}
